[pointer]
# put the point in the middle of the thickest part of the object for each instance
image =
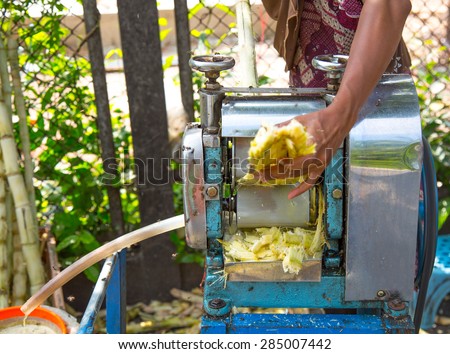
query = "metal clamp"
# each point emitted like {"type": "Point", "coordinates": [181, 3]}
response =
{"type": "Point", "coordinates": [334, 66]}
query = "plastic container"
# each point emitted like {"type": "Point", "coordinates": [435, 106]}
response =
{"type": "Point", "coordinates": [40, 321]}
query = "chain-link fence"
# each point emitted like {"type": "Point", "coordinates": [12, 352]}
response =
{"type": "Point", "coordinates": [427, 32]}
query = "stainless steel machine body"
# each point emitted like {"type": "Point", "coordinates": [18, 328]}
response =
{"type": "Point", "coordinates": [371, 207]}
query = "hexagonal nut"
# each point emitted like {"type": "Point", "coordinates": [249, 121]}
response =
{"type": "Point", "coordinates": [337, 193]}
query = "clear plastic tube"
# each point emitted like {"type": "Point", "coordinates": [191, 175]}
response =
{"type": "Point", "coordinates": [97, 255]}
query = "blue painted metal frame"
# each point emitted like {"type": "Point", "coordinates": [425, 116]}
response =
{"type": "Point", "coordinates": [334, 182]}
{"type": "Point", "coordinates": [116, 302]}
{"type": "Point", "coordinates": [307, 324]}
{"type": "Point", "coordinates": [110, 283]}
{"type": "Point", "coordinates": [214, 259]}
{"type": "Point", "coordinates": [334, 193]}
{"type": "Point", "coordinates": [328, 293]}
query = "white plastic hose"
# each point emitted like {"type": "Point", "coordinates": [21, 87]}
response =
{"type": "Point", "coordinates": [97, 255]}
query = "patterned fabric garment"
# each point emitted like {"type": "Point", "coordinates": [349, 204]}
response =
{"type": "Point", "coordinates": [327, 27]}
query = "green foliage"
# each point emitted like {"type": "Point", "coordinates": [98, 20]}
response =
{"type": "Point", "coordinates": [185, 254]}
{"type": "Point", "coordinates": [264, 80]}
{"type": "Point", "coordinates": [433, 83]}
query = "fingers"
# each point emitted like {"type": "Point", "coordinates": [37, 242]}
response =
{"type": "Point", "coordinates": [289, 168]}
{"type": "Point", "coordinates": [282, 124]}
{"type": "Point", "coordinates": [305, 186]}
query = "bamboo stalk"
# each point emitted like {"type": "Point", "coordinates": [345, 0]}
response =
{"type": "Point", "coordinates": [19, 103]}
{"type": "Point", "coordinates": [4, 274]}
{"type": "Point", "coordinates": [19, 281]}
{"type": "Point", "coordinates": [246, 44]}
{"type": "Point", "coordinates": [27, 229]}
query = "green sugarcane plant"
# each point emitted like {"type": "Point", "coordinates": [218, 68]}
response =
{"type": "Point", "coordinates": [19, 292]}
{"type": "Point", "coordinates": [27, 230]}
{"type": "Point", "coordinates": [9, 213]}
{"type": "Point", "coordinates": [246, 44]}
{"type": "Point", "coordinates": [21, 111]}
{"type": "Point", "coordinates": [4, 271]}
{"type": "Point", "coordinates": [5, 241]}
{"type": "Point", "coordinates": [4, 76]}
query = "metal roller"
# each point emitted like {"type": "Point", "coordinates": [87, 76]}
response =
{"type": "Point", "coordinates": [258, 206]}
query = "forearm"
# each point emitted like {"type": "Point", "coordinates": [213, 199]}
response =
{"type": "Point", "coordinates": [376, 39]}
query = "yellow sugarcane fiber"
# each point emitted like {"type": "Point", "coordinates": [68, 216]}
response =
{"type": "Point", "coordinates": [273, 143]}
{"type": "Point", "coordinates": [289, 245]}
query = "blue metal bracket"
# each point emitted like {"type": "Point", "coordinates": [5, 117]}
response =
{"type": "Point", "coordinates": [216, 301]}
{"type": "Point", "coordinates": [334, 196]}
{"type": "Point", "coordinates": [213, 175]}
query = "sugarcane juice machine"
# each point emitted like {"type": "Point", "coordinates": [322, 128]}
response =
{"type": "Point", "coordinates": [364, 279]}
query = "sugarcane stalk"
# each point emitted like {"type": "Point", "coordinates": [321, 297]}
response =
{"type": "Point", "coordinates": [4, 274]}
{"type": "Point", "coordinates": [26, 224]}
{"type": "Point", "coordinates": [5, 269]}
{"type": "Point", "coordinates": [246, 44]}
{"type": "Point", "coordinates": [9, 234]}
{"type": "Point", "coordinates": [19, 281]}
{"type": "Point", "coordinates": [4, 77]}
{"type": "Point", "coordinates": [19, 103]}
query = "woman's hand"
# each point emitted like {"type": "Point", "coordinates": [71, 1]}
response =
{"type": "Point", "coordinates": [328, 129]}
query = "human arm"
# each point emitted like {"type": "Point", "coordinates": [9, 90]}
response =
{"type": "Point", "coordinates": [376, 39]}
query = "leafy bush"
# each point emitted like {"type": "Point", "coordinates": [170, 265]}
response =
{"type": "Point", "coordinates": [433, 83]}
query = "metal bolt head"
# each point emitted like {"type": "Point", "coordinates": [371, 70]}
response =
{"type": "Point", "coordinates": [396, 305]}
{"type": "Point", "coordinates": [337, 193]}
{"type": "Point", "coordinates": [381, 293]}
{"type": "Point", "coordinates": [212, 192]}
{"type": "Point", "coordinates": [217, 304]}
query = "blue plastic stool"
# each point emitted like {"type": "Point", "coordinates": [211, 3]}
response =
{"type": "Point", "coordinates": [439, 285]}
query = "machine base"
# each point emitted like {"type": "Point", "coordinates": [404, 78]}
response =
{"type": "Point", "coordinates": [307, 324]}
